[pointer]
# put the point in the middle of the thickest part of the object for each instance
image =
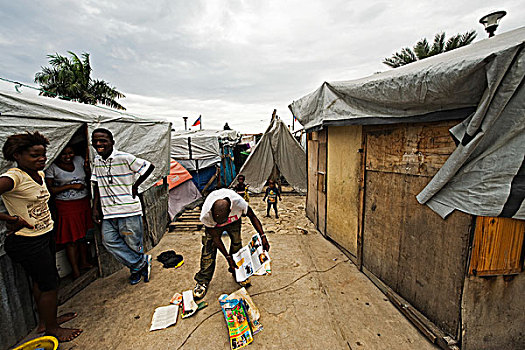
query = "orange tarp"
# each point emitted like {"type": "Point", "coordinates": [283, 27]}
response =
{"type": "Point", "coordinates": [178, 174]}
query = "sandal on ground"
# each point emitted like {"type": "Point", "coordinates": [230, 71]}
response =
{"type": "Point", "coordinates": [245, 284]}
{"type": "Point", "coordinates": [200, 291]}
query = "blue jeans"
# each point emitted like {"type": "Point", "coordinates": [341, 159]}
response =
{"type": "Point", "coordinates": [122, 237]}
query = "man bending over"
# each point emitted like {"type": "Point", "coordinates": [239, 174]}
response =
{"type": "Point", "coordinates": [222, 211]}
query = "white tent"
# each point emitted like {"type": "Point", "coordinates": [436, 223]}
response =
{"type": "Point", "coordinates": [199, 149]}
{"type": "Point", "coordinates": [58, 120]}
{"type": "Point", "coordinates": [277, 147]}
{"type": "Point", "coordinates": [482, 83]}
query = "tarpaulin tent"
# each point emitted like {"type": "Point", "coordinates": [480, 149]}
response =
{"type": "Point", "coordinates": [59, 120]}
{"type": "Point", "coordinates": [200, 151]}
{"type": "Point", "coordinates": [182, 191]}
{"type": "Point", "coordinates": [483, 83]}
{"type": "Point", "coordinates": [277, 147]}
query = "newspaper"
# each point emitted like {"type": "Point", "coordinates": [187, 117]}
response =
{"type": "Point", "coordinates": [251, 259]}
{"type": "Point", "coordinates": [237, 320]}
{"type": "Point", "coordinates": [164, 316]}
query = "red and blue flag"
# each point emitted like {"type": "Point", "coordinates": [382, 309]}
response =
{"type": "Point", "coordinates": [197, 122]}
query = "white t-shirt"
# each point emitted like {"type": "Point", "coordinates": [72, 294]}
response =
{"type": "Point", "coordinates": [239, 207]}
{"type": "Point", "coordinates": [62, 177]}
{"type": "Point", "coordinates": [115, 177]}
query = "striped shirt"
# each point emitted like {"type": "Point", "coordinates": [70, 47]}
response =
{"type": "Point", "coordinates": [115, 177]}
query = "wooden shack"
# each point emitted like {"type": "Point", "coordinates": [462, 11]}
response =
{"type": "Point", "coordinates": [459, 279]}
{"type": "Point", "coordinates": [61, 122]}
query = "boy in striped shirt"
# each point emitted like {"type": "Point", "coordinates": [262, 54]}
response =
{"type": "Point", "coordinates": [115, 192]}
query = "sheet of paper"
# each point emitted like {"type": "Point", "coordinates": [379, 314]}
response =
{"type": "Point", "coordinates": [164, 316]}
{"type": "Point", "coordinates": [244, 262]}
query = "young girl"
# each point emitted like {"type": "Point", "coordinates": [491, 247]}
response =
{"type": "Point", "coordinates": [28, 240]}
{"type": "Point", "coordinates": [66, 179]}
{"type": "Point", "coordinates": [272, 192]}
{"type": "Point", "coordinates": [242, 188]}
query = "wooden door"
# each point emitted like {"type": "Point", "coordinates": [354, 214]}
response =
{"type": "Point", "coordinates": [311, 196]}
{"type": "Point", "coordinates": [321, 181]}
{"type": "Point", "coordinates": [421, 256]}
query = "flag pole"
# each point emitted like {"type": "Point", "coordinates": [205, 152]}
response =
{"type": "Point", "coordinates": [200, 118]}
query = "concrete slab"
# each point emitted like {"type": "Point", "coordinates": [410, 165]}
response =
{"type": "Point", "coordinates": [314, 299]}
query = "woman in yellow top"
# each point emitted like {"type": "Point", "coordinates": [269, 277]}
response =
{"type": "Point", "coordinates": [29, 224]}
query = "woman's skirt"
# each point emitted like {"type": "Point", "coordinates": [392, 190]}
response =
{"type": "Point", "coordinates": [73, 220]}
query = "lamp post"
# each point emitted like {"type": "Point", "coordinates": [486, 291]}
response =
{"type": "Point", "coordinates": [491, 21]}
{"type": "Point", "coordinates": [185, 123]}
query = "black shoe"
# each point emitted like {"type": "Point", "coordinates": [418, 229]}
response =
{"type": "Point", "coordinates": [135, 278]}
{"type": "Point", "coordinates": [170, 259]}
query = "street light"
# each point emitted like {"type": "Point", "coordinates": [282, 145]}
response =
{"type": "Point", "coordinates": [491, 21]}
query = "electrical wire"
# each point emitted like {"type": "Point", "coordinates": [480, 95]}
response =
{"type": "Point", "coordinates": [260, 293]}
{"type": "Point", "coordinates": [18, 84]}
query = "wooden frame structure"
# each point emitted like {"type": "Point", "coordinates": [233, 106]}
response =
{"type": "Point", "coordinates": [362, 182]}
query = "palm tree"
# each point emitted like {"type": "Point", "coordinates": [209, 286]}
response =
{"type": "Point", "coordinates": [70, 78]}
{"type": "Point", "coordinates": [423, 49]}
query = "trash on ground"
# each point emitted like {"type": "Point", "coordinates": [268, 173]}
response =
{"type": "Point", "coordinates": [236, 317]}
{"type": "Point", "coordinates": [202, 305]}
{"type": "Point", "coordinates": [170, 259]}
{"type": "Point", "coordinates": [303, 230]}
{"type": "Point", "coordinates": [189, 306]}
{"type": "Point", "coordinates": [176, 299]}
{"type": "Point", "coordinates": [253, 312]}
{"type": "Point", "coordinates": [250, 259]}
{"type": "Point", "coordinates": [164, 317]}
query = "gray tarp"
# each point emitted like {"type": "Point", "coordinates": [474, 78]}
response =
{"type": "Point", "coordinates": [276, 147]}
{"type": "Point", "coordinates": [485, 174]}
{"type": "Point", "coordinates": [200, 145]}
{"type": "Point", "coordinates": [58, 120]}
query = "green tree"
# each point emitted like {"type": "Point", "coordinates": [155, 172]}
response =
{"type": "Point", "coordinates": [424, 49]}
{"type": "Point", "coordinates": [70, 78]}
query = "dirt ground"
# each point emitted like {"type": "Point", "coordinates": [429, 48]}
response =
{"type": "Point", "coordinates": [314, 299]}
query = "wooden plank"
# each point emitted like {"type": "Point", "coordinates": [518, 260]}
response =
{"type": "Point", "coordinates": [311, 197]}
{"type": "Point", "coordinates": [342, 193]}
{"type": "Point", "coordinates": [321, 182]}
{"type": "Point", "coordinates": [425, 326]}
{"type": "Point", "coordinates": [67, 288]}
{"type": "Point", "coordinates": [412, 249]}
{"type": "Point", "coordinates": [362, 196]}
{"type": "Point", "coordinates": [497, 247]}
{"type": "Point", "coordinates": [415, 149]}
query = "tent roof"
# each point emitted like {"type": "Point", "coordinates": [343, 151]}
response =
{"type": "Point", "coordinates": [419, 91]}
{"type": "Point", "coordinates": [201, 144]}
{"type": "Point", "coordinates": [276, 147]}
{"type": "Point", "coordinates": [485, 174]}
{"type": "Point", "coordinates": [58, 120]}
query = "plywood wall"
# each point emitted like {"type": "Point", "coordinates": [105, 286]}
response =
{"type": "Point", "coordinates": [343, 172]}
{"type": "Point", "coordinates": [405, 244]}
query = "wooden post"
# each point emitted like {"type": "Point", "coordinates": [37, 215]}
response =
{"type": "Point", "coordinates": [361, 215]}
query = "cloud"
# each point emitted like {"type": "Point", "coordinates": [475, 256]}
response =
{"type": "Point", "coordinates": [229, 60]}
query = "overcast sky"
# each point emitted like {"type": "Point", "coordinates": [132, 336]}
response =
{"type": "Point", "coordinates": [229, 60]}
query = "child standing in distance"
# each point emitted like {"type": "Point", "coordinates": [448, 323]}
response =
{"type": "Point", "coordinates": [242, 188]}
{"type": "Point", "coordinates": [272, 192]}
